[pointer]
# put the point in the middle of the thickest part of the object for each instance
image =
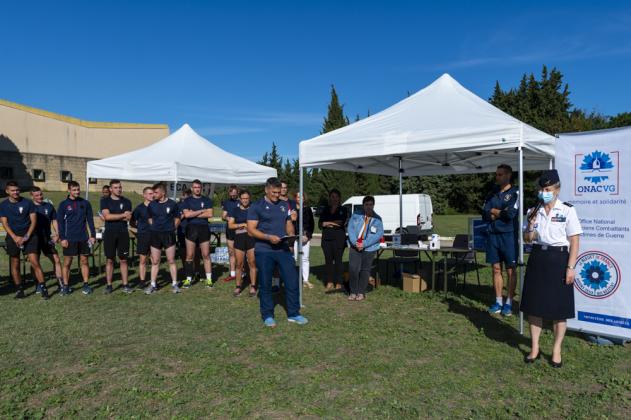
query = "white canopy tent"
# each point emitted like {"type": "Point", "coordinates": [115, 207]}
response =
{"type": "Point", "coordinates": [442, 129]}
{"type": "Point", "coordinates": [182, 156]}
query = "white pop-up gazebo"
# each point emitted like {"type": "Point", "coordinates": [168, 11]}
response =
{"type": "Point", "coordinates": [182, 156]}
{"type": "Point", "coordinates": [442, 129]}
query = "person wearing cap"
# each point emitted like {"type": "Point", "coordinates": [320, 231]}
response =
{"type": "Point", "coordinates": [500, 210]}
{"type": "Point", "coordinates": [548, 293]}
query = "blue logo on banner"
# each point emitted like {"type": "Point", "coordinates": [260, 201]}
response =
{"type": "Point", "coordinates": [597, 172]}
{"type": "Point", "coordinates": [596, 162]}
{"type": "Point", "coordinates": [598, 275]}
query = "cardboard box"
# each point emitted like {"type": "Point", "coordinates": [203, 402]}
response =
{"type": "Point", "coordinates": [413, 283]}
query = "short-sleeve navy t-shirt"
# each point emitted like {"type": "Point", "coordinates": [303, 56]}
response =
{"type": "Point", "coordinates": [18, 214]}
{"type": "Point", "coordinates": [239, 214]}
{"type": "Point", "coordinates": [196, 204]}
{"type": "Point", "coordinates": [163, 215]}
{"type": "Point", "coordinates": [119, 206]}
{"type": "Point", "coordinates": [46, 213]}
{"type": "Point", "coordinates": [272, 218]}
{"type": "Point", "coordinates": [141, 217]}
{"type": "Point", "coordinates": [229, 205]}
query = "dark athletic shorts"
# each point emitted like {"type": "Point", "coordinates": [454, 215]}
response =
{"type": "Point", "coordinates": [197, 233]}
{"type": "Point", "coordinates": [230, 234]}
{"type": "Point", "coordinates": [243, 242]}
{"type": "Point", "coordinates": [77, 248]}
{"type": "Point", "coordinates": [115, 243]}
{"type": "Point", "coordinates": [143, 243]}
{"type": "Point", "coordinates": [30, 247]}
{"type": "Point", "coordinates": [45, 247]}
{"type": "Point", "coordinates": [162, 240]}
{"type": "Point", "coordinates": [500, 247]}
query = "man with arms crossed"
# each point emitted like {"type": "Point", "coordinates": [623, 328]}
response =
{"type": "Point", "coordinates": [500, 209]}
{"type": "Point", "coordinates": [163, 219]}
{"type": "Point", "coordinates": [73, 214]}
{"type": "Point", "coordinates": [18, 217]}
{"type": "Point", "coordinates": [116, 211]}
{"type": "Point", "coordinates": [270, 225]}
{"type": "Point", "coordinates": [197, 209]}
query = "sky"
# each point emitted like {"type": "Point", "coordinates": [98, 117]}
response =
{"type": "Point", "coordinates": [246, 74]}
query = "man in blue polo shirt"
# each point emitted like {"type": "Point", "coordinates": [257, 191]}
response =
{"type": "Point", "coordinates": [501, 207]}
{"type": "Point", "coordinates": [116, 211]}
{"type": "Point", "coordinates": [196, 210]}
{"type": "Point", "coordinates": [47, 237]}
{"type": "Point", "coordinates": [140, 220]}
{"type": "Point", "coordinates": [73, 215]}
{"type": "Point", "coordinates": [270, 225]}
{"type": "Point", "coordinates": [18, 217]}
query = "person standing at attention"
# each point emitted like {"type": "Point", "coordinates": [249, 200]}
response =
{"type": "Point", "coordinates": [500, 209]}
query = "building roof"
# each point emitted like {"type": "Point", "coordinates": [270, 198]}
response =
{"type": "Point", "coordinates": [77, 121]}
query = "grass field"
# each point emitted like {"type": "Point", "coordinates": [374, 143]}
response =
{"type": "Point", "coordinates": [203, 353]}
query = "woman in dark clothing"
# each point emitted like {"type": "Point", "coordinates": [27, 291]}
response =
{"type": "Point", "coordinates": [307, 232]}
{"type": "Point", "coordinates": [333, 225]}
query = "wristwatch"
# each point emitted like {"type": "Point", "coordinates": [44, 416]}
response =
{"type": "Point", "coordinates": [570, 267]}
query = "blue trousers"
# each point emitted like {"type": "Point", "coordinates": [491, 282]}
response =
{"type": "Point", "coordinates": [266, 262]}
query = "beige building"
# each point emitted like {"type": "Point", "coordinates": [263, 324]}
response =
{"type": "Point", "coordinates": [46, 149]}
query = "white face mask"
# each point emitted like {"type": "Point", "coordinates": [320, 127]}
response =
{"type": "Point", "coordinates": [546, 196]}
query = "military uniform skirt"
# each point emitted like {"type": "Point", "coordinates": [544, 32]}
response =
{"type": "Point", "coordinates": [545, 293]}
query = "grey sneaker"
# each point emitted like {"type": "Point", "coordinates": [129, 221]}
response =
{"type": "Point", "coordinates": [175, 288]}
{"type": "Point", "coordinates": [127, 289]}
{"type": "Point", "coordinates": [150, 289]}
{"type": "Point", "coordinates": [108, 289]}
{"type": "Point", "coordinates": [86, 289]}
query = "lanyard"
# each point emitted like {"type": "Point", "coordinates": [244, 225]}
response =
{"type": "Point", "coordinates": [364, 231]}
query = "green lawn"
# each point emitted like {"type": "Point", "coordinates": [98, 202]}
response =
{"type": "Point", "coordinates": [204, 353]}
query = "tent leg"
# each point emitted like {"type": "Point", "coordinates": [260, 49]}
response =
{"type": "Point", "coordinates": [400, 195]}
{"type": "Point", "coordinates": [300, 233]}
{"type": "Point", "coordinates": [87, 185]}
{"type": "Point", "coordinates": [521, 238]}
{"type": "Point", "coordinates": [175, 190]}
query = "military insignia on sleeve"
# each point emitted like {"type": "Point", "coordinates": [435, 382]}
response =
{"type": "Point", "coordinates": [507, 197]}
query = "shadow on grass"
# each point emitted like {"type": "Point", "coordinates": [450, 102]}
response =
{"type": "Point", "coordinates": [493, 328]}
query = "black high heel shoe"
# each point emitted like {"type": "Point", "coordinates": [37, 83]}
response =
{"type": "Point", "coordinates": [556, 365]}
{"type": "Point", "coordinates": [528, 359]}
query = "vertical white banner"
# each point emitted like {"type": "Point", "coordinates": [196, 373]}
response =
{"type": "Point", "coordinates": [595, 172]}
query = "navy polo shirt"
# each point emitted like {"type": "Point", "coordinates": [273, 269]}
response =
{"type": "Point", "coordinates": [18, 214]}
{"type": "Point", "coordinates": [163, 215]}
{"type": "Point", "coordinates": [229, 205]}
{"type": "Point", "coordinates": [196, 204]}
{"type": "Point", "coordinates": [141, 217]}
{"type": "Point", "coordinates": [46, 213]}
{"type": "Point", "coordinates": [119, 206]}
{"type": "Point", "coordinates": [507, 202]}
{"type": "Point", "coordinates": [272, 218]}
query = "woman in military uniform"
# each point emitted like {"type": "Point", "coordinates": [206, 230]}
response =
{"type": "Point", "coordinates": [554, 229]}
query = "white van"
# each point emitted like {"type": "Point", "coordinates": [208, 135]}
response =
{"type": "Point", "coordinates": [417, 210]}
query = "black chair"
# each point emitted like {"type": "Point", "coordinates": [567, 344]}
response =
{"type": "Point", "coordinates": [461, 241]}
{"type": "Point", "coordinates": [404, 256]}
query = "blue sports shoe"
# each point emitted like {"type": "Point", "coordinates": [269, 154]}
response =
{"type": "Point", "coordinates": [495, 308]}
{"type": "Point", "coordinates": [507, 309]}
{"type": "Point", "coordinates": [86, 289]}
{"type": "Point", "coordinates": [269, 322]}
{"type": "Point", "coordinates": [299, 319]}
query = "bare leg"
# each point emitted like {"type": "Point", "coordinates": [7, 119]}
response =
{"type": "Point", "coordinates": [498, 280]}
{"type": "Point", "coordinates": [156, 254]}
{"type": "Point", "coordinates": [124, 270]}
{"type": "Point", "coordinates": [252, 265]}
{"type": "Point", "coordinates": [142, 267]}
{"type": "Point", "coordinates": [536, 324]}
{"type": "Point", "coordinates": [15, 271]}
{"type": "Point", "coordinates": [239, 257]}
{"type": "Point", "coordinates": [109, 270]}
{"type": "Point", "coordinates": [204, 248]}
{"type": "Point", "coordinates": [36, 268]}
{"type": "Point", "coordinates": [170, 254]}
{"type": "Point", "coordinates": [233, 260]}
{"type": "Point", "coordinates": [559, 327]}
{"type": "Point", "coordinates": [85, 268]}
{"type": "Point", "coordinates": [54, 258]}
{"type": "Point", "coordinates": [66, 270]}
